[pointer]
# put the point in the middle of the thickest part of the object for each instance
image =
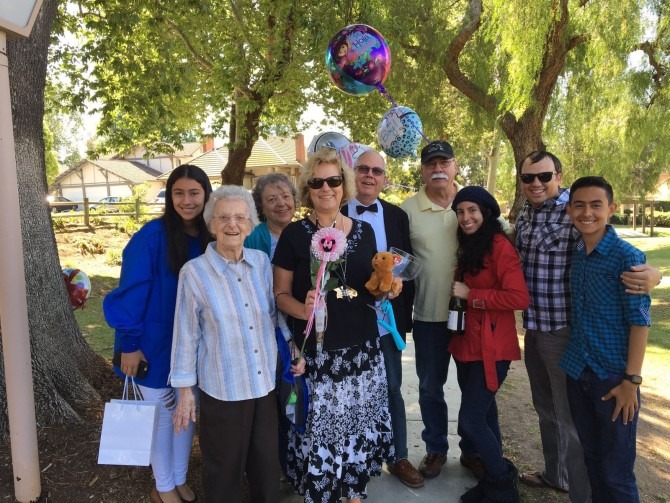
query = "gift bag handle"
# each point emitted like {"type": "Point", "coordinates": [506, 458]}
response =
{"type": "Point", "coordinates": [137, 394]}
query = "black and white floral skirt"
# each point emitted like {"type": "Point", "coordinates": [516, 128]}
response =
{"type": "Point", "coordinates": [348, 434]}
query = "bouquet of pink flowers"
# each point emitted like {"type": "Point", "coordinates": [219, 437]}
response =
{"type": "Point", "coordinates": [328, 246]}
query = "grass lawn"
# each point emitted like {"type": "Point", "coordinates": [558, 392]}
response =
{"type": "Point", "coordinates": [658, 348]}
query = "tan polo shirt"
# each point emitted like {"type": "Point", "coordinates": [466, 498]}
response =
{"type": "Point", "coordinates": [432, 230]}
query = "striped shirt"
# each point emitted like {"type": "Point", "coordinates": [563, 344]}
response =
{"type": "Point", "coordinates": [602, 312]}
{"type": "Point", "coordinates": [224, 337]}
{"type": "Point", "coordinates": [545, 238]}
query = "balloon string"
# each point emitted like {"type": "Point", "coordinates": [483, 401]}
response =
{"type": "Point", "coordinates": [384, 92]}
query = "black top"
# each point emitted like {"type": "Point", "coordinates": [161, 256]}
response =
{"type": "Point", "coordinates": [349, 323]}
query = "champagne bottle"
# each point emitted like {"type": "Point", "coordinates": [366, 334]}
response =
{"type": "Point", "coordinates": [456, 319]}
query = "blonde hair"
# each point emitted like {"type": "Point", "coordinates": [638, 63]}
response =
{"type": "Point", "coordinates": [325, 156]}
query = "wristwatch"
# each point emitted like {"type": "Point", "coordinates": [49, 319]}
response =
{"type": "Point", "coordinates": [633, 378]}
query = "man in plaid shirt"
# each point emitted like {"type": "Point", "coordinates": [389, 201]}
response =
{"type": "Point", "coordinates": [545, 239]}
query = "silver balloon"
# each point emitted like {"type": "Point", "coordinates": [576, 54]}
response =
{"type": "Point", "coordinates": [328, 139]}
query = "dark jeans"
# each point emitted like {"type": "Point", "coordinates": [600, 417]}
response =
{"type": "Point", "coordinates": [478, 417]}
{"type": "Point", "coordinates": [431, 349]}
{"type": "Point", "coordinates": [609, 446]}
{"type": "Point", "coordinates": [393, 364]}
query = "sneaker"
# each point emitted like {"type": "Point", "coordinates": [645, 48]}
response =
{"type": "Point", "coordinates": [406, 473]}
{"type": "Point", "coordinates": [431, 465]}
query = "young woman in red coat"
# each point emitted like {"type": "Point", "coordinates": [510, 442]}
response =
{"type": "Point", "coordinates": [494, 287]}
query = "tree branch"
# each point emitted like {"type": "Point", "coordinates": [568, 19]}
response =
{"type": "Point", "coordinates": [456, 77]}
{"type": "Point", "coordinates": [556, 50]}
{"type": "Point", "coordinates": [659, 70]}
{"type": "Point", "coordinates": [204, 62]}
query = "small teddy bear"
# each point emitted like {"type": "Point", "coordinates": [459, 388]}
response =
{"type": "Point", "coordinates": [382, 281]}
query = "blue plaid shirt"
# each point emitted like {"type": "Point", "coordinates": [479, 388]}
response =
{"type": "Point", "coordinates": [545, 238]}
{"type": "Point", "coordinates": [602, 312]}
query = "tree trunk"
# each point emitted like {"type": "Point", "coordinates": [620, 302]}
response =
{"type": "Point", "coordinates": [525, 136]}
{"type": "Point", "coordinates": [493, 157]}
{"type": "Point", "coordinates": [61, 358]}
{"type": "Point", "coordinates": [239, 149]}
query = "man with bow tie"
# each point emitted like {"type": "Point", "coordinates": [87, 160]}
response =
{"type": "Point", "coordinates": [391, 227]}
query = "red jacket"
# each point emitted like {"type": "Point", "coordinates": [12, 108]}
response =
{"type": "Point", "coordinates": [490, 326]}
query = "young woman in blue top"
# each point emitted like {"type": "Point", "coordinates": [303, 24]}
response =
{"type": "Point", "coordinates": [141, 310]}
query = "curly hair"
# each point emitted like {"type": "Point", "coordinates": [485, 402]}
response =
{"type": "Point", "coordinates": [229, 193]}
{"type": "Point", "coordinates": [267, 180]}
{"type": "Point", "coordinates": [325, 156]}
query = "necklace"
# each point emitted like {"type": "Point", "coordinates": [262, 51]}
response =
{"type": "Point", "coordinates": [319, 226]}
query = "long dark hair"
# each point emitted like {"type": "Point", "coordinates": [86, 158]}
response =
{"type": "Point", "coordinates": [177, 239]}
{"type": "Point", "coordinates": [473, 248]}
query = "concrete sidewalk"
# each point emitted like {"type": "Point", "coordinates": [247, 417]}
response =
{"type": "Point", "coordinates": [454, 479]}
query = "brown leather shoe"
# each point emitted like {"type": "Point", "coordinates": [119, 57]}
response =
{"type": "Point", "coordinates": [407, 474]}
{"type": "Point", "coordinates": [474, 464]}
{"type": "Point", "coordinates": [431, 465]}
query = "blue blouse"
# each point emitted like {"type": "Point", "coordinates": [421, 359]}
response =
{"type": "Point", "coordinates": [141, 309]}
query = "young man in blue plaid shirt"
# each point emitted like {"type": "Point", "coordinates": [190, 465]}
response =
{"type": "Point", "coordinates": [608, 338]}
{"type": "Point", "coordinates": [545, 239]}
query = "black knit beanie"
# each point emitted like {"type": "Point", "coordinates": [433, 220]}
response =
{"type": "Point", "coordinates": [477, 195]}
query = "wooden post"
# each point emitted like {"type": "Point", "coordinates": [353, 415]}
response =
{"type": "Point", "coordinates": [651, 221]}
{"type": "Point", "coordinates": [644, 220]}
{"type": "Point", "coordinates": [137, 209]}
{"type": "Point", "coordinates": [634, 216]}
{"type": "Point", "coordinates": [86, 214]}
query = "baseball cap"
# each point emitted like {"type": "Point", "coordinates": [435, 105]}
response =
{"type": "Point", "coordinates": [436, 149]}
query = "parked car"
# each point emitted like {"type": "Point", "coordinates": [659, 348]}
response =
{"type": "Point", "coordinates": [110, 208]}
{"type": "Point", "coordinates": [62, 207]}
{"type": "Point", "coordinates": [159, 199]}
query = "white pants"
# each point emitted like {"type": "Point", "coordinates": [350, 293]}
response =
{"type": "Point", "coordinates": [170, 452]}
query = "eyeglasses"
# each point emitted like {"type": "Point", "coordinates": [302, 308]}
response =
{"type": "Point", "coordinates": [544, 177]}
{"type": "Point", "coordinates": [364, 170]}
{"type": "Point", "coordinates": [332, 181]}
{"type": "Point", "coordinates": [442, 163]}
{"type": "Point", "coordinates": [238, 219]}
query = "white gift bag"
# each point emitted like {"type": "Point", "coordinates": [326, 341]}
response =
{"type": "Point", "coordinates": [128, 430]}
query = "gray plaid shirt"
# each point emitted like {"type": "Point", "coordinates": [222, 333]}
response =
{"type": "Point", "coordinates": [545, 239]}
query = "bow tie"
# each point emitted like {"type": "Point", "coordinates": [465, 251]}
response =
{"type": "Point", "coordinates": [362, 209]}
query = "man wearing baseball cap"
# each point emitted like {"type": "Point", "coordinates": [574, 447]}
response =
{"type": "Point", "coordinates": [433, 236]}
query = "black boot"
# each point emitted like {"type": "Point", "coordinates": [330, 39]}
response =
{"type": "Point", "coordinates": [476, 494]}
{"type": "Point", "coordinates": [503, 489]}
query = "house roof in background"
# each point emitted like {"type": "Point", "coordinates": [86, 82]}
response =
{"type": "Point", "coordinates": [134, 172]}
{"type": "Point", "coordinates": [188, 149]}
{"type": "Point", "coordinates": [271, 151]}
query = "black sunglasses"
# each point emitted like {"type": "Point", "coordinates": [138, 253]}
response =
{"type": "Point", "coordinates": [332, 181]}
{"type": "Point", "coordinates": [544, 177]}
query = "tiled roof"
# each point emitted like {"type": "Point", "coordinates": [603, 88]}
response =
{"type": "Point", "coordinates": [188, 149]}
{"type": "Point", "coordinates": [272, 151]}
{"type": "Point", "coordinates": [132, 171]}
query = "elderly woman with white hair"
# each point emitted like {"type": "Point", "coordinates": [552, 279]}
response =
{"type": "Point", "coordinates": [224, 342]}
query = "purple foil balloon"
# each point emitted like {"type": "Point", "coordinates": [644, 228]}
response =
{"type": "Point", "coordinates": [358, 59]}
